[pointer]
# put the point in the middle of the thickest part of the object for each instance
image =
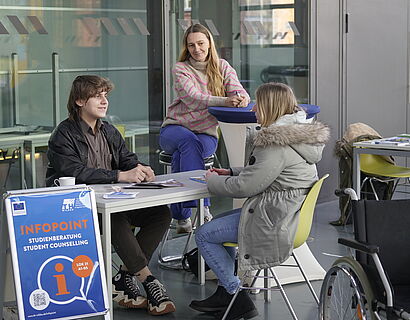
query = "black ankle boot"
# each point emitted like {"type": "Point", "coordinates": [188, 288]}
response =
{"type": "Point", "coordinates": [219, 301]}
{"type": "Point", "coordinates": [242, 308]}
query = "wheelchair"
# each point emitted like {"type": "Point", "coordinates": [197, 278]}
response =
{"type": "Point", "coordinates": [375, 284]}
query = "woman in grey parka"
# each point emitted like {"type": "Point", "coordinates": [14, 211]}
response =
{"type": "Point", "coordinates": [280, 171]}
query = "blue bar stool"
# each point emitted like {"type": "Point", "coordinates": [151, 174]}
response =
{"type": "Point", "coordinates": [165, 159]}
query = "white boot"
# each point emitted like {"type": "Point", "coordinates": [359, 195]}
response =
{"type": "Point", "coordinates": [184, 226]}
{"type": "Point", "coordinates": [208, 216]}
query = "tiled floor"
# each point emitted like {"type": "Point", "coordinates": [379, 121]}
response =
{"type": "Point", "coordinates": [182, 286]}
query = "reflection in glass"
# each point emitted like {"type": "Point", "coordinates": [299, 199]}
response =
{"type": "Point", "coordinates": [267, 27]}
{"type": "Point", "coordinates": [264, 2]}
{"type": "Point", "coordinates": [107, 38]}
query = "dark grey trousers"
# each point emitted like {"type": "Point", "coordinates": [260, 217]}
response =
{"type": "Point", "coordinates": [135, 251]}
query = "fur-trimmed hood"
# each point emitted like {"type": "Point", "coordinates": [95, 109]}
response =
{"type": "Point", "coordinates": [306, 139]}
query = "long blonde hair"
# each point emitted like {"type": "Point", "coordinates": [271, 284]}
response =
{"type": "Point", "coordinates": [213, 72]}
{"type": "Point", "coordinates": [274, 100]}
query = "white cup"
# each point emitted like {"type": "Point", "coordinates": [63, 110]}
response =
{"type": "Point", "coordinates": [64, 181]}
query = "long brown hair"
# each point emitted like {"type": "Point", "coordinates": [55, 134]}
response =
{"type": "Point", "coordinates": [213, 72]}
{"type": "Point", "coordinates": [274, 100]}
{"type": "Point", "coordinates": [83, 88]}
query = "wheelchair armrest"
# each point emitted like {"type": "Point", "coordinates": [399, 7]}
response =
{"type": "Point", "coordinates": [373, 251]}
{"type": "Point", "coordinates": [364, 247]}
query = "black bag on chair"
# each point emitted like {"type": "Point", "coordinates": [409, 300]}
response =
{"type": "Point", "coordinates": [190, 262]}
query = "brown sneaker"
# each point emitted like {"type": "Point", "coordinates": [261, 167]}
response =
{"type": "Point", "coordinates": [126, 292]}
{"type": "Point", "coordinates": [158, 301]}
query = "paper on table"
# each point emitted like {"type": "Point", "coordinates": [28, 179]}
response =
{"type": "Point", "coordinates": [392, 141]}
{"type": "Point", "coordinates": [200, 179]}
{"type": "Point", "coordinates": [155, 184]}
{"type": "Point", "coordinates": [120, 195]}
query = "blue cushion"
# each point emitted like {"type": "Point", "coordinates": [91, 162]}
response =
{"type": "Point", "coordinates": [245, 115]}
{"type": "Point", "coordinates": [311, 110]}
{"type": "Point", "coordinates": [234, 115]}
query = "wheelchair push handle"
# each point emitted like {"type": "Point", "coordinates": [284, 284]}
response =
{"type": "Point", "coordinates": [347, 191]}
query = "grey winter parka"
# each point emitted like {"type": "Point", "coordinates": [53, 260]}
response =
{"type": "Point", "coordinates": [280, 171]}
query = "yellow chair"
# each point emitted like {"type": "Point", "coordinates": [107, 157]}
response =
{"type": "Point", "coordinates": [121, 129]}
{"type": "Point", "coordinates": [305, 223]}
{"type": "Point", "coordinates": [377, 166]}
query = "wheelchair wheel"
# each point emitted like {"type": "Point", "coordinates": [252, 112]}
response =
{"type": "Point", "coordinates": [346, 292]}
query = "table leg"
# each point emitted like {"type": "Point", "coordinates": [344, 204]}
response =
{"type": "Point", "coordinates": [356, 172]}
{"type": "Point", "coordinates": [22, 167]}
{"type": "Point", "coordinates": [133, 147]}
{"type": "Point", "coordinates": [201, 262]}
{"type": "Point", "coordinates": [234, 135]}
{"type": "Point", "coordinates": [33, 166]}
{"type": "Point", "coordinates": [106, 226]}
{"type": "Point", "coordinates": [3, 256]}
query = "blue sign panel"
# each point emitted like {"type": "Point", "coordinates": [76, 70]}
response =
{"type": "Point", "coordinates": [56, 255]}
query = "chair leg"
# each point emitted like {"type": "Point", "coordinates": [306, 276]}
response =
{"type": "Point", "coordinates": [161, 259]}
{"type": "Point", "coordinates": [306, 278]}
{"type": "Point", "coordinates": [374, 190]}
{"type": "Point", "coordinates": [285, 297]}
{"type": "Point", "coordinates": [255, 277]}
{"type": "Point", "coordinates": [363, 182]}
{"type": "Point", "coordinates": [165, 261]}
{"type": "Point", "coordinates": [266, 283]}
{"type": "Point", "coordinates": [395, 186]}
{"type": "Point", "coordinates": [190, 235]}
{"type": "Point", "coordinates": [231, 304]}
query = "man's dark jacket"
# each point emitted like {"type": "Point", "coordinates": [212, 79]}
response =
{"type": "Point", "coordinates": [68, 153]}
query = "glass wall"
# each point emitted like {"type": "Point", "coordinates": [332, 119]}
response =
{"type": "Point", "coordinates": [264, 40]}
{"type": "Point", "coordinates": [46, 44]}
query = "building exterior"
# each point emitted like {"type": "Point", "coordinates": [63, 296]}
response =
{"type": "Point", "coordinates": [349, 57]}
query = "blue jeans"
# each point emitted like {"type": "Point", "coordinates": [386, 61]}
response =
{"type": "Point", "coordinates": [210, 238]}
{"type": "Point", "coordinates": [188, 151]}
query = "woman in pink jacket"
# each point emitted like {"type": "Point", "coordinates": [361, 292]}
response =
{"type": "Point", "coordinates": [189, 131]}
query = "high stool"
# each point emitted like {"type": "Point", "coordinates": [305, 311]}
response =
{"type": "Point", "coordinates": [174, 261]}
{"type": "Point", "coordinates": [165, 159]}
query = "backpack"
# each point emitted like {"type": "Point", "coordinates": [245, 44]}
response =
{"type": "Point", "coordinates": [190, 262]}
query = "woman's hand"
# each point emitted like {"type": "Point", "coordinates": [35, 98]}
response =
{"type": "Point", "coordinates": [234, 101]}
{"type": "Point", "coordinates": [221, 172]}
{"type": "Point", "coordinates": [210, 173]}
{"type": "Point", "coordinates": [244, 103]}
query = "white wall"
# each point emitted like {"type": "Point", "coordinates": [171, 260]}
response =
{"type": "Point", "coordinates": [362, 75]}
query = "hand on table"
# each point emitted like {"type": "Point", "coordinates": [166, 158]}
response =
{"type": "Point", "coordinates": [149, 173]}
{"type": "Point", "coordinates": [221, 172]}
{"type": "Point", "coordinates": [138, 174]}
{"type": "Point", "coordinates": [244, 103]}
{"type": "Point", "coordinates": [235, 101]}
{"type": "Point", "coordinates": [217, 172]}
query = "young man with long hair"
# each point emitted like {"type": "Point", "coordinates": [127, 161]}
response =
{"type": "Point", "coordinates": [93, 151]}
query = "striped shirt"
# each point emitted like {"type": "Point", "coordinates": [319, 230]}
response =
{"type": "Point", "coordinates": [190, 107]}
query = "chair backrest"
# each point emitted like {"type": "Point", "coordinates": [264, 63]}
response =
{"type": "Point", "coordinates": [121, 129]}
{"type": "Point", "coordinates": [385, 223]}
{"type": "Point", "coordinates": [306, 213]}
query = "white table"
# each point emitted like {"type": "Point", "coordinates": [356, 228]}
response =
{"type": "Point", "coordinates": [148, 198]}
{"type": "Point", "coordinates": [366, 147]}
